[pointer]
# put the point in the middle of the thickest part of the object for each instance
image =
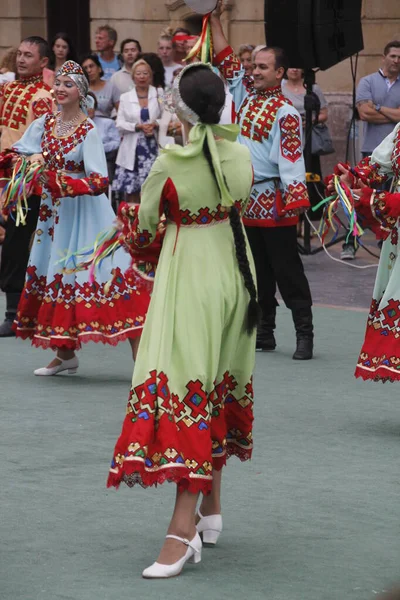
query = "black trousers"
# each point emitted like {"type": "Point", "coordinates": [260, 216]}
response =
{"type": "Point", "coordinates": [278, 262]}
{"type": "Point", "coordinates": [16, 249]}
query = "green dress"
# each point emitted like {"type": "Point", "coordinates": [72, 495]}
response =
{"type": "Point", "coordinates": [191, 401]}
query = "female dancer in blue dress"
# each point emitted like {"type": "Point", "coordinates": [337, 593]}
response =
{"type": "Point", "coordinates": [58, 309]}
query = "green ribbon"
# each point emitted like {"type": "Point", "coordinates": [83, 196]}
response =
{"type": "Point", "coordinates": [197, 135]}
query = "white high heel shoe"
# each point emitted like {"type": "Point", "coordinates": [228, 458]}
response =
{"type": "Point", "coordinates": [193, 555]}
{"type": "Point", "coordinates": [210, 528]}
{"type": "Point", "coordinates": [71, 365]}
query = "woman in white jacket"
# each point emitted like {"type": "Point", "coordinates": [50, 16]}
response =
{"type": "Point", "coordinates": [137, 121]}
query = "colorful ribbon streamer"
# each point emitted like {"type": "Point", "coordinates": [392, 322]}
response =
{"type": "Point", "coordinates": [20, 186]}
{"type": "Point", "coordinates": [204, 45]}
{"type": "Point", "coordinates": [330, 221]}
{"type": "Point", "coordinates": [105, 245]}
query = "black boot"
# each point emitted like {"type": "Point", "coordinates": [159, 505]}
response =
{"type": "Point", "coordinates": [265, 333]}
{"type": "Point", "coordinates": [6, 329]}
{"type": "Point", "coordinates": [303, 322]}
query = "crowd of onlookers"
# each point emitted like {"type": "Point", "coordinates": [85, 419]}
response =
{"type": "Point", "coordinates": [130, 93]}
{"type": "Point", "coordinates": [129, 89]}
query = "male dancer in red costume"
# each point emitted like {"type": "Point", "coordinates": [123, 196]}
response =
{"type": "Point", "coordinates": [21, 102]}
{"type": "Point", "coordinates": [271, 129]}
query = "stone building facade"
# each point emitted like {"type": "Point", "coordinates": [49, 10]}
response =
{"type": "Point", "coordinates": [243, 23]}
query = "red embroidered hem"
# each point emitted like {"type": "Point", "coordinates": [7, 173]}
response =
{"type": "Point", "coordinates": [70, 343]}
{"type": "Point", "coordinates": [135, 473]}
{"type": "Point", "coordinates": [383, 376]}
{"type": "Point", "coordinates": [58, 315]}
{"type": "Point", "coordinates": [182, 437]}
{"type": "Point", "coordinates": [379, 358]}
{"type": "Point", "coordinates": [286, 222]}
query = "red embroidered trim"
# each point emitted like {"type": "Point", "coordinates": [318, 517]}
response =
{"type": "Point", "coordinates": [256, 125]}
{"type": "Point", "coordinates": [379, 358]}
{"type": "Point", "coordinates": [205, 216]}
{"type": "Point", "coordinates": [56, 314]}
{"type": "Point", "coordinates": [368, 172]}
{"type": "Point", "coordinates": [41, 107]}
{"type": "Point", "coordinates": [17, 96]}
{"type": "Point", "coordinates": [296, 196]}
{"type": "Point", "coordinates": [286, 221]}
{"type": "Point", "coordinates": [229, 63]}
{"type": "Point", "coordinates": [167, 438]}
{"type": "Point", "coordinates": [54, 149]}
{"type": "Point", "coordinates": [379, 211]}
{"type": "Point", "coordinates": [291, 146]}
{"type": "Point", "coordinates": [264, 210]}
{"type": "Point", "coordinates": [63, 186]}
{"type": "Point", "coordinates": [44, 213]}
{"type": "Point", "coordinates": [219, 58]}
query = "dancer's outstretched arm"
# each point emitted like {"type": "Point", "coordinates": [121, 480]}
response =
{"type": "Point", "coordinates": [219, 40]}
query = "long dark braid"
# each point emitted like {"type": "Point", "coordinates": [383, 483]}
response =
{"type": "Point", "coordinates": [254, 310]}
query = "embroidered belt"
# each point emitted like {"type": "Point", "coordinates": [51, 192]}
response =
{"type": "Point", "coordinates": [199, 225]}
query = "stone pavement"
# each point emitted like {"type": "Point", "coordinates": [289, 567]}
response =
{"type": "Point", "coordinates": [313, 516]}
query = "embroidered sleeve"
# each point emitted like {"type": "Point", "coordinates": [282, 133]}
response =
{"type": "Point", "coordinates": [6, 162]}
{"type": "Point", "coordinates": [379, 211]}
{"type": "Point", "coordinates": [128, 217]}
{"type": "Point", "coordinates": [94, 183]}
{"type": "Point", "coordinates": [41, 107]}
{"type": "Point", "coordinates": [370, 173]}
{"type": "Point", "coordinates": [151, 206]}
{"type": "Point", "coordinates": [287, 151]}
{"type": "Point", "coordinates": [231, 69]}
{"type": "Point", "coordinates": [64, 186]}
{"type": "Point", "coordinates": [291, 146]}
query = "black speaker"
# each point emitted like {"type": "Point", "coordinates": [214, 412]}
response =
{"type": "Point", "coordinates": [314, 33]}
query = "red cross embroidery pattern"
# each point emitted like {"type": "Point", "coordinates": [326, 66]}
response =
{"type": "Point", "coordinates": [291, 147]}
{"type": "Point", "coordinates": [259, 116]}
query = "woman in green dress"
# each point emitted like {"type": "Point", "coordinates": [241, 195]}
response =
{"type": "Point", "coordinates": [191, 401]}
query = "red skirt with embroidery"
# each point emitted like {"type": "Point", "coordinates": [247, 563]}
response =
{"type": "Point", "coordinates": [379, 358]}
{"type": "Point", "coordinates": [56, 314]}
{"type": "Point", "coordinates": [165, 438]}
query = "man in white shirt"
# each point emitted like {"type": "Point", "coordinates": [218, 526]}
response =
{"type": "Point", "coordinates": [166, 53]}
{"type": "Point", "coordinates": [122, 79]}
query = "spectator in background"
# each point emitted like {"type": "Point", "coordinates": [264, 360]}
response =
{"type": "Point", "coordinates": [179, 43]}
{"type": "Point", "coordinates": [106, 93]}
{"type": "Point", "coordinates": [190, 43]}
{"type": "Point", "coordinates": [8, 66]}
{"type": "Point", "coordinates": [245, 55]}
{"type": "Point", "coordinates": [106, 38]}
{"type": "Point", "coordinates": [61, 50]}
{"type": "Point", "coordinates": [109, 136]}
{"type": "Point", "coordinates": [378, 99]}
{"type": "Point", "coordinates": [137, 118]}
{"type": "Point", "coordinates": [166, 54]}
{"type": "Point", "coordinates": [378, 103]}
{"type": "Point", "coordinates": [157, 67]}
{"type": "Point", "coordinates": [130, 52]}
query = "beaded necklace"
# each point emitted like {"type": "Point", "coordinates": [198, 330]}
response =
{"type": "Point", "coordinates": [63, 128]}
